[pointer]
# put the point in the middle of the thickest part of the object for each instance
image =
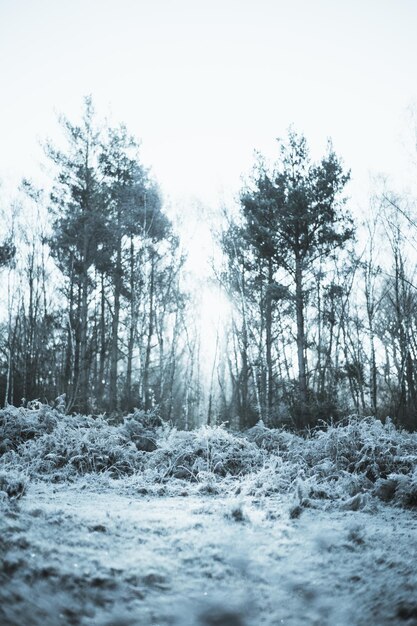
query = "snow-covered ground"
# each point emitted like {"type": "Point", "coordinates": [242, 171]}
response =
{"type": "Point", "coordinates": [104, 555]}
{"type": "Point", "coordinates": [136, 523]}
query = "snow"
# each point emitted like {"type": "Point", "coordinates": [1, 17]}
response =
{"type": "Point", "coordinates": [137, 523]}
{"type": "Point", "coordinates": [97, 552]}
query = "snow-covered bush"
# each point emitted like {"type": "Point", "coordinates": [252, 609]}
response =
{"type": "Point", "coordinates": [275, 440]}
{"type": "Point", "coordinates": [185, 454]}
{"type": "Point", "coordinates": [362, 446]}
{"type": "Point", "coordinates": [48, 442]}
{"type": "Point", "coordinates": [140, 428]}
{"type": "Point", "coordinates": [80, 445]}
{"type": "Point", "coordinates": [336, 462]}
{"type": "Point", "coordinates": [18, 425]}
{"type": "Point", "coordinates": [146, 419]}
{"type": "Point", "coordinates": [339, 462]}
{"type": "Point", "coordinates": [12, 483]}
{"type": "Point", "coordinates": [399, 488]}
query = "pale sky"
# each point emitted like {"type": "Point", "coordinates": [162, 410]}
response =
{"type": "Point", "coordinates": [204, 83]}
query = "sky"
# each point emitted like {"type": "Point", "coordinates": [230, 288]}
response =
{"type": "Point", "coordinates": [204, 83]}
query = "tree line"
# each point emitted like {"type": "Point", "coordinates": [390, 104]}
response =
{"type": "Point", "coordinates": [326, 325]}
{"type": "Point", "coordinates": [95, 310]}
{"type": "Point", "coordinates": [101, 323]}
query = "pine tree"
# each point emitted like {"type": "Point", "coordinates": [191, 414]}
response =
{"type": "Point", "coordinates": [293, 217]}
{"type": "Point", "coordinates": [78, 206]}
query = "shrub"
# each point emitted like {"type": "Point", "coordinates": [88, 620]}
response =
{"type": "Point", "coordinates": [13, 484]}
{"type": "Point", "coordinates": [339, 461]}
{"type": "Point", "coordinates": [18, 425]}
{"type": "Point", "coordinates": [184, 454]}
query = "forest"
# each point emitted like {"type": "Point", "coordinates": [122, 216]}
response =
{"type": "Point", "coordinates": [98, 314]}
{"type": "Point", "coordinates": [159, 469]}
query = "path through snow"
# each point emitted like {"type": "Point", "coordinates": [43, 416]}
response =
{"type": "Point", "coordinates": [98, 558]}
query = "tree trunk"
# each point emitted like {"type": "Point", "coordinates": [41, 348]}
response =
{"type": "Point", "coordinates": [301, 356]}
{"type": "Point", "coordinates": [268, 333]}
{"type": "Point", "coordinates": [83, 356]}
{"type": "Point", "coordinates": [102, 353]}
{"type": "Point", "coordinates": [244, 378]}
{"type": "Point", "coordinates": [146, 389]}
{"type": "Point", "coordinates": [132, 327]}
{"type": "Point", "coordinates": [373, 373]}
{"type": "Point", "coordinates": [70, 362]}
{"type": "Point", "coordinates": [114, 349]}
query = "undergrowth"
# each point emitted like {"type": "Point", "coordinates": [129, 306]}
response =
{"type": "Point", "coordinates": [337, 462]}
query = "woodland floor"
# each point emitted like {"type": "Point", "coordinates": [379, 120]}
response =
{"type": "Point", "coordinates": [79, 554]}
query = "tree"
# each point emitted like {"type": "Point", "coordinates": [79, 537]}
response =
{"type": "Point", "coordinates": [78, 206]}
{"type": "Point", "coordinates": [133, 211]}
{"type": "Point", "coordinates": [293, 218]}
{"type": "Point", "coordinates": [397, 326]}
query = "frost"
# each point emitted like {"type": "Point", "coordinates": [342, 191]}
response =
{"type": "Point", "coordinates": [337, 462]}
{"type": "Point", "coordinates": [135, 522]}
{"type": "Point", "coordinates": [13, 483]}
